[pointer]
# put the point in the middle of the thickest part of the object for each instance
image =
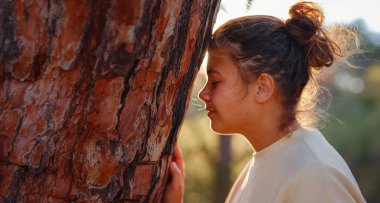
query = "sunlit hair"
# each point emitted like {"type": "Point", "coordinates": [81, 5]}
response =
{"type": "Point", "coordinates": [287, 50]}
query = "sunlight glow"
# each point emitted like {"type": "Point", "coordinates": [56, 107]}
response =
{"type": "Point", "coordinates": [345, 81]}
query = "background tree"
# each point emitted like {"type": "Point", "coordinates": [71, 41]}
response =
{"type": "Point", "coordinates": [92, 94]}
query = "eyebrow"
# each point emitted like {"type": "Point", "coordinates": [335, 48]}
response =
{"type": "Point", "coordinates": [212, 71]}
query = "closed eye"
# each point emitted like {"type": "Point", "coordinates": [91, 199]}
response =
{"type": "Point", "coordinates": [214, 83]}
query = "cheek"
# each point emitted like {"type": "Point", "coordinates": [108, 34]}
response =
{"type": "Point", "coordinates": [220, 103]}
{"type": "Point", "coordinates": [224, 100]}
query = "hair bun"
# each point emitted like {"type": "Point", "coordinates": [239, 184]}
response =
{"type": "Point", "coordinates": [306, 18]}
{"type": "Point", "coordinates": [305, 27]}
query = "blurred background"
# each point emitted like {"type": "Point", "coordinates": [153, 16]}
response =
{"type": "Point", "coordinates": [213, 161]}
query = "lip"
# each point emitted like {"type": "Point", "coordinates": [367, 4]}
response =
{"type": "Point", "coordinates": [210, 113]}
{"type": "Point", "coordinates": [210, 110]}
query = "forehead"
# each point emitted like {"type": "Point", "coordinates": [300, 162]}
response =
{"type": "Point", "coordinates": [219, 62]}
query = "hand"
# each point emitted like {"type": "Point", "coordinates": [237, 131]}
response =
{"type": "Point", "coordinates": [175, 188]}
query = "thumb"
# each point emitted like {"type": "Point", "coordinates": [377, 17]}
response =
{"type": "Point", "coordinates": [176, 176]}
{"type": "Point", "coordinates": [174, 169]}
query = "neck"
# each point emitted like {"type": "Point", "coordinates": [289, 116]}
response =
{"type": "Point", "coordinates": [263, 129]}
{"type": "Point", "coordinates": [262, 138]}
{"type": "Point", "coordinates": [267, 133]}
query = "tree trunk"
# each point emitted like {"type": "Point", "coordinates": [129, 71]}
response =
{"type": "Point", "coordinates": [223, 180]}
{"type": "Point", "coordinates": [92, 94]}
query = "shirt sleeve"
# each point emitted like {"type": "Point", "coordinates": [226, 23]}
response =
{"type": "Point", "coordinates": [320, 183]}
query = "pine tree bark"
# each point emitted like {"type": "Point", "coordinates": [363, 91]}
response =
{"type": "Point", "coordinates": [92, 94]}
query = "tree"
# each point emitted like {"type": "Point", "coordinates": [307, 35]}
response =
{"type": "Point", "coordinates": [223, 180]}
{"type": "Point", "coordinates": [92, 94]}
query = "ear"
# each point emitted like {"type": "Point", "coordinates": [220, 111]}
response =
{"type": "Point", "coordinates": [264, 87]}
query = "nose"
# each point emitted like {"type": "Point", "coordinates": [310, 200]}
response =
{"type": "Point", "coordinates": [204, 95]}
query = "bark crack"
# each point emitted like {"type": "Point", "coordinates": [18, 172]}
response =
{"type": "Point", "coordinates": [53, 21]}
{"type": "Point", "coordinates": [7, 162]}
{"type": "Point", "coordinates": [69, 111]}
{"type": "Point", "coordinates": [9, 48]}
{"type": "Point", "coordinates": [125, 91]}
{"type": "Point", "coordinates": [14, 189]}
{"type": "Point", "coordinates": [48, 131]}
{"type": "Point", "coordinates": [17, 132]}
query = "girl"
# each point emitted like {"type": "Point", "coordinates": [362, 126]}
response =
{"type": "Point", "coordinates": [257, 71]}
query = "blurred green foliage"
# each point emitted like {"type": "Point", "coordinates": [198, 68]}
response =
{"type": "Point", "coordinates": [353, 129]}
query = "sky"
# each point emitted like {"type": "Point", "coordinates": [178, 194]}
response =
{"type": "Point", "coordinates": [336, 11]}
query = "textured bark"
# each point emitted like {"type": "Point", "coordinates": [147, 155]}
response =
{"type": "Point", "coordinates": [92, 94]}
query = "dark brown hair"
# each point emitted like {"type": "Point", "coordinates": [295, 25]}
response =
{"type": "Point", "coordinates": [287, 50]}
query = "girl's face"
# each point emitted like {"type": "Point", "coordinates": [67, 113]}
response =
{"type": "Point", "coordinates": [227, 97]}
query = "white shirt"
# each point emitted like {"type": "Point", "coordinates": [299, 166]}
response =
{"type": "Point", "coordinates": [302, 167]}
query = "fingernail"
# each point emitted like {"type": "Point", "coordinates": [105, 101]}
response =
{"type": "Point", "coordinates": [175, 166]}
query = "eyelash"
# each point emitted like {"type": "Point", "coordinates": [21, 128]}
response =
{"type": "Point", "coordinates": [214, 83]}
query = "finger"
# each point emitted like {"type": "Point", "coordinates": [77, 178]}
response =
{"type": "Point", "coordinates": [177, 152]}
{"type": "Point", "coordinates": [174, 169]}
{"type": "Point", "coordinates": [176, 174]}
{"type": "Point", "coordinates": [178, 158]}
{"type": "Point", "coordinates": [175, 188]}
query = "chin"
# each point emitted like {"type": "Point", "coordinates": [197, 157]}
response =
{"type": "Point", "coordinates": [220, 129]}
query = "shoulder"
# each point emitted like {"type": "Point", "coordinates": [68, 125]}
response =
{"type": "Point", "coordinates": [321, 182]}
{"type": "Point", "coordinates": [323, 154]}
{"type": "Point", "coordinates": [320, 173]}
